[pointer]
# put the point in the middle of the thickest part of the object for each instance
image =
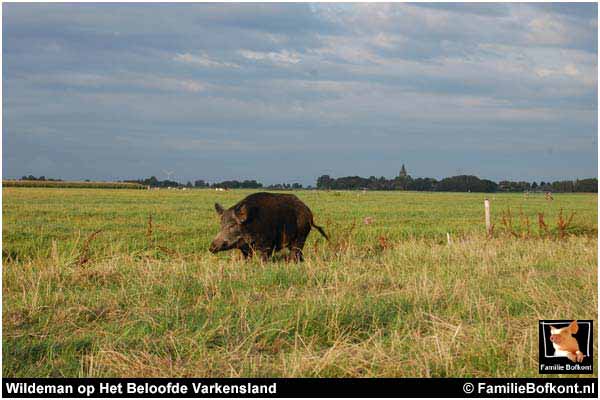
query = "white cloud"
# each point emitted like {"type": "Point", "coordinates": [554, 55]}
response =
{"type": "Point", "coordinates": [547, 30]}
{"type": "Point", "coordinates": [190, 144]}
{"type": "Point", "coordinates": [174, 84]}
{"type": "Point", "coordinates": [350, 50]}
{"type": "Point", "coordinates": [571, 70]}
{"type": "Point", "coordinates": [281, 57]}
{"type": "Point", "coordinates": [98, 81]}
{"type": "Point", "coordinates": [204, 61]}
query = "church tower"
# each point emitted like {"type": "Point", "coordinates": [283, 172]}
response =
{"type": "Point", "coordinates": [403, 173]}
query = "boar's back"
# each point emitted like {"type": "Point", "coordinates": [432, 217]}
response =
{"type": "Point", "coordinates": [275, 218]}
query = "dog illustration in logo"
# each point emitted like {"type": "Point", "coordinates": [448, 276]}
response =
{"type": "Point", "coordinates": [565, 345]}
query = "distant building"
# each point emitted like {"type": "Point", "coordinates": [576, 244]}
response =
{"type": "Point", "coordinates": [403, 173]}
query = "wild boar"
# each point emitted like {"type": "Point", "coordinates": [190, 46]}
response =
{"type": "Point", "coordinates": [265, 222]}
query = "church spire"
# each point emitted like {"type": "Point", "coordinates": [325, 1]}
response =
{"type": "Point", "coordinates": [403, 173]}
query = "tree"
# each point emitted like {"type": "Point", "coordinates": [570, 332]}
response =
{"type": "Point", "coordinates": [403, 182]}
{"type": "Point", "coordinates": [587, 185]}
{"type": "Point", "coordinates": [422, 184]}
{"type": "Point", "coordinates": [324, 182]}
{"type": "Point", "coordinates": [466, 183]}
{"type": "Point", "coordinates": [247, 184]}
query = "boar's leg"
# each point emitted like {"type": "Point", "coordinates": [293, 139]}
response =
{"type": "Point", "coordinates": [295, 255]}
{"type": "Point", "coordinates": [265, 255]}
{"type": "Point", "coordinates": [296, 250]}
{"type": "Point", "coordinates": [265, 252]}
{"type": "Point", "coordinates": [246, 250]}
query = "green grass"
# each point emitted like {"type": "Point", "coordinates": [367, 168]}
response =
{"type": "Point", "coordinates": [391, 298]}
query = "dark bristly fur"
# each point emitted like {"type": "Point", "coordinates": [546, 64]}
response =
{"type": "Point", "coordinates": [265, 222]}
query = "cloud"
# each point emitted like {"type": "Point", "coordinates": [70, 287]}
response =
{"type": "Point", "coordinates": [281, 58]}
{"type": "Point", "coordinates": [166, 83]}
{"type": "Point", "coordinates": [223, 90]}
{"type": "Point", "coordinates": [547, 30]}
{"type": "Point", "coordinates": [568, 70]}
{"type": "Point", "coordinates": [485, 9]}
{"type": "Point", "coordinates": [204, 61]}
{"type": "Point", "coordinates": [227, 145]}
{"type": "Point", "coordinates": [118, 81]}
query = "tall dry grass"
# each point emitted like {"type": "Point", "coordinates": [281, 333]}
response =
{"type": "Point", "coordinates": [415, 309]}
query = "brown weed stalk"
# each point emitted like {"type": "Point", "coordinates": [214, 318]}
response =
{"type": "Point", "coordinates": [149, 231]}
{"type": "Point", "coordinates": [542, 225]}
{"type": "Point", "coordinates": [345, 240]}
{"type": "Point", "coordinates": [383, 242]}
{"type": "Point", "coordinates": [507, 222]}
{"type": "Point", "coordinates": [562, 224]}
{"type": "Point", "coordinates": [84, 255]}
{"type": "Point", "coordinates": [524, 220]}
{"type": "Point", "coordinates": [152, 241]}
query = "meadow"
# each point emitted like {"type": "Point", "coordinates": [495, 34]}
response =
{"type": "Point", "coordinates": [102, 283]}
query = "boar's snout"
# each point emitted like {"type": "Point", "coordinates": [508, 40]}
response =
{"type": "Point", "coordinates": [221, 243]}
{"type": "Point", "coordinates": [216, 246]}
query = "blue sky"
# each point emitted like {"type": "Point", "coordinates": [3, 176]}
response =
{"type": "Point", "coordinates": [288, 92]}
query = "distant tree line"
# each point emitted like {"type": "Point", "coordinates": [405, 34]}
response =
{"type": "Point", "coordinates": [460, 183]}
{"type": "Point", "coordinates": [153, 182]}
{"type": "Point", "coordinates": [59, 183]}
{"type": "Point", "coordinates": [41, 178]}
{"type": "Point", "coordinates": [247, 184]}
{"type": "Point", "coordinates": [285, 186]}
{"type": "Point", "coordinates": [200, 183]}
{"type": "Point", "coordinates": [238, 185]}
{"type": "Point", "coordinates": [232, 184]}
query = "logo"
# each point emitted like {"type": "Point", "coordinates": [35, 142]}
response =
{"type": "Point", "coordinates": [566, 347]}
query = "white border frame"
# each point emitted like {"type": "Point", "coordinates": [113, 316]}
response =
{"type": "Point", "coordinates": [565, 323]}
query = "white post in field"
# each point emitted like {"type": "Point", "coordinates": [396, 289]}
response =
{"type": "Point", "coordinates": [488, 221]}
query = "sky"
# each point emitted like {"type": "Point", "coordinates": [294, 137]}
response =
{"type": "Point", "coordinates": [289, 92]}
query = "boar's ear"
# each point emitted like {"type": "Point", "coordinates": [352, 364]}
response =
{"type": "Point", "coordinates": [573, 328]}
{"type": "Point", "coordinates": [219, 208]}
{"type": "Point", "coordinates": [242, 214]}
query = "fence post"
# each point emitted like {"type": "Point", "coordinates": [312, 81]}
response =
{"type": "Point", "coordinates": [488, 221]}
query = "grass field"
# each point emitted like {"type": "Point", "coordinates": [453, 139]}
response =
{"type": "Point", "coordinates": [389, 298]}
